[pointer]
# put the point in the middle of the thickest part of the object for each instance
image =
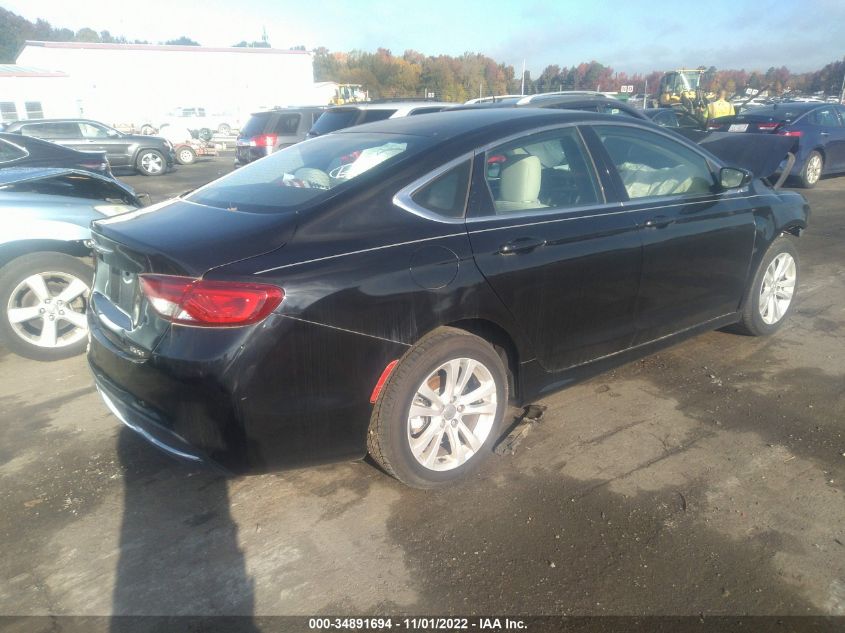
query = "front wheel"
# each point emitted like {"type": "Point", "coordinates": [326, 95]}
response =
{"type": "Point", "coordinates": [44, 297]}
{"type": "Point", "coordinates": [772, 291]}
{"type": "Point", "coordinates": [812, 170]}
{"type": "Point", "coordinates": [186, 155]}
{"type": "Point", "coordinates": [440, 411]}
{"type": "Point", "coordinates": [151, 162]}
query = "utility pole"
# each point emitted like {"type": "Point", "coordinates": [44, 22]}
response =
{"type": "Point", "coordinates": [522, 89]}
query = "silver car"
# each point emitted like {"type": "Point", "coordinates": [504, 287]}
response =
{"type": "Point", "coordinates": [45, 275]}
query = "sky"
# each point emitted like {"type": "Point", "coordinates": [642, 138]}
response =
{"type": "Point", "coordinates": [634, 36]}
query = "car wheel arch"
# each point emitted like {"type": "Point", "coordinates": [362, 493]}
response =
{"type": "Point", "coordinates": [502, 341]}
{"type": "Point", "coordinates": [13, 250]}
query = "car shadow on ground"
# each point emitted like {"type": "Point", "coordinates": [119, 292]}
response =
{"type": "Point", "coordinates": [178, 548]}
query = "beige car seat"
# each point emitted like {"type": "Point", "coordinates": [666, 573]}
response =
{"type": "Point", "coordinates": [519, 188]}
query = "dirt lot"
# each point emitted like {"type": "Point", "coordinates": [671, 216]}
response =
{"type": "Point", "coordinates": [705, 479]}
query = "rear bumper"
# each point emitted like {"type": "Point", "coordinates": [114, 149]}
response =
{"type": "Point", "coordinates": [282, 394]}
{"type": "Point", "coordinates": [146, 423]}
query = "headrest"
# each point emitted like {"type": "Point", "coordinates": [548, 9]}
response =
{"type": "Point", "coordinates": [521, 180]}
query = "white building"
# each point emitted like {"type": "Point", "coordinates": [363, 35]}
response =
{"type": "Point", "coordinates": [138, 83]}
{"type": "Point", "coordinates": [33, 93]}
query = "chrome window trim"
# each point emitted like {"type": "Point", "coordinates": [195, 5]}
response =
{"type": "Point", "coordinates": [404, 197]}
{"type": "Point", "coordinates": [617, 205]}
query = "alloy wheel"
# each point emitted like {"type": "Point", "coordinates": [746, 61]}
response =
{"type": "Point", "coordinates": [452, 414]}
{"type": "Point", "coordinates": [777, 288]}
{"type": "Point", "coordinates": [48, 309]}
{"type": "Point", "coordinates": [152, 163]}
{"type": "Point", "coordinates": [814, 169]}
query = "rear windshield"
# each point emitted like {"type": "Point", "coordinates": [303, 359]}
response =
{"type": "Point", "coordinates": [334, 120]}
{"type": "Point", "coordinates": [256, 124]}
{"type": "Point", "coordinates": [307, 172]}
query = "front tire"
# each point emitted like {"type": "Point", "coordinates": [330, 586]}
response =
{"type": "Point", "coordinates": [44, 297]}
{"type": "Point", "coordinates": [812, 170]}
{"type": "Point", "coordinates": [440, 411]}
{"type": "Point", "coordinates": [772, 292]}
{"type": "Point", "coordinates": [150, 162]}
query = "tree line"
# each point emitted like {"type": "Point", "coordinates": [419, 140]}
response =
{"type": "Point", "coordinates": [447, 77]}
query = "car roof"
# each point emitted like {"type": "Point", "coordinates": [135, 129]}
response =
{"type": "Point", "coordinates": [68, 120]}
{"type": "Point", "coordinates": [466, 121]}
{"type": "Point", "coordinates": [397, 106]}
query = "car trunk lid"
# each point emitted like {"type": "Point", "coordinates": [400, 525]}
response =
{"type": "Point", "coordinates": [174, 238]}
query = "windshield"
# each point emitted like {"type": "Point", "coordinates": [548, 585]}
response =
{"type": "Point", "coordinates": [307, 172]}
{"type": "Point", "coordinates": [333, 120]}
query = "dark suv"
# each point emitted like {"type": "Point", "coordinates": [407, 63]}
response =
{"type": "Point", "coordinates": [270, 131]}
{"type": "Point", "coordinates": [149, 155]}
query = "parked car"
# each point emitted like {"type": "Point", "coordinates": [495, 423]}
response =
{"type": "Point", "coordinates": [272, 130]}
{"type": "Point", "coordinates": [341, 117]}
{"type": "Point", "coordinates": [45, 278]}
{"type": "Point", "coordinates": [148, 155]}
{"type": "Point", "coordinates": [186, 146]}
{"type": "Point", "coordinates": [23, 151]}
{"type": "Point", "coordinates": [819, 128]}
{"type": "Point", "coordinates": [391, 288]}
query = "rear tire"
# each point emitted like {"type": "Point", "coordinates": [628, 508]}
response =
{"type": "Point", "coordinates": [186, 156]}
{"type": "Point", "coordinates": [467, 396]}
{"type": "Point", "coordinates": [43, 299]}
{"type": "Point", "coordinates": [771, 294]}
{"type": "Point", "coordinates": [225, 129]}
{"type": "Point", "coordinates": [811, 172]}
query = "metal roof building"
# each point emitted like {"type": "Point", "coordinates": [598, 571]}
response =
{"type": "Point", "coordinates": [133, 81]}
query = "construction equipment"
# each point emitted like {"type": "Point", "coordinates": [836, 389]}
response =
{"type": "Point", "coordinates": [684, 89]}
{"type": "Point", "coordinates": [349, 93]}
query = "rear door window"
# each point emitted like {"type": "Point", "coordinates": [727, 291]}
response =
{"type": "Point", "coordinates": [52, 131]}
{"type": "Point", "coordinates": [650, 164]}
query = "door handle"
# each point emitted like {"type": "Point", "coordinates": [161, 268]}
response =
{"type": "Point", "coordinates": [658, 222]}
{"type": "Point", "coordinates": [521, 245]}
{"type": "Point", "coordinates": [824, 133]}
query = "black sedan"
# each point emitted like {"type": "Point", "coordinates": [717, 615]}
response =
{"type": "Point", "coordinates": [392, 287]}
{"type": "Point", "coordinates": [24, 151]}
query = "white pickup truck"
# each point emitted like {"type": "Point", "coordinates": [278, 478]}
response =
{"type": "Point", "coordinates": [197, 119]}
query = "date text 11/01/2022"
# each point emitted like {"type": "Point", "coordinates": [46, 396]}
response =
{"type": "Point", "coordinates": [418, 624]}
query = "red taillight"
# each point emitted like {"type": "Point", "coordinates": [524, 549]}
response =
{"type": "Point", "coordinates": [767, 127]}
{"type": "Point", "coordinates": [191, 301]}
{"type": "Point", "coordinates": [790, 132]}
{"type": "Point", "coordinates": [263, 140]}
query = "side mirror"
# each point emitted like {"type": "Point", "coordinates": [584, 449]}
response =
{"type": "Point", "coordinates": [733, 177]}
